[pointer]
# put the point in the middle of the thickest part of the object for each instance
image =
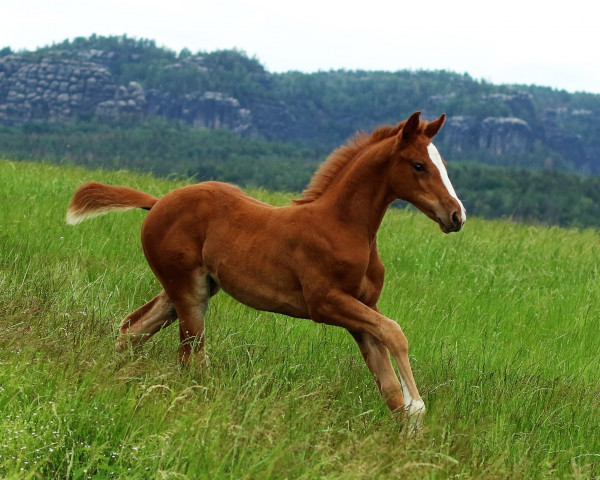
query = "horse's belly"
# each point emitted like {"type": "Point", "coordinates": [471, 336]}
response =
{"type": "Point", "coordinates": [264, 295]}
{"type": "Point", "coordinates": [259, 281]}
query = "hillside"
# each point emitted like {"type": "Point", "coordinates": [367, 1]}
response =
{"type": "Point", "coordinates": [519, 152]}
{"type": "Point", "coordinates": [128, 80]}
{"type": "Point", "coordinates": [501, 320]}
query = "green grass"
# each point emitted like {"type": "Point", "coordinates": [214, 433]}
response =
{"type": "Point", "coordinates": [502, 320]}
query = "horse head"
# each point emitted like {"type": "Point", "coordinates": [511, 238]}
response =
{"type": "Point", "coordinates": [418, 174]}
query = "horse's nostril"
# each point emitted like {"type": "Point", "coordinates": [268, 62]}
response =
{"type": "Point", "coordinates": [455, 218]}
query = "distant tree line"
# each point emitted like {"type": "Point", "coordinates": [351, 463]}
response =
{"type": "Point", "coordinates": [165, 149]}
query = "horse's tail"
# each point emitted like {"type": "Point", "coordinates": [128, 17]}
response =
{"type": "Point", "coordinates": [93, 199]}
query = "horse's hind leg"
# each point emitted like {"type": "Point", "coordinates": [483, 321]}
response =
{"type": "Point", "coordinates": [190, 296]}
{"type": "Point", "coordinates": [140, 325]}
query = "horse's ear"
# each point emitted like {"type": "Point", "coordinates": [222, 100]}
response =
{"type": "Point", "coordinates": [410, 127]}
{"type": "Point", "coordinates": [434, 127]}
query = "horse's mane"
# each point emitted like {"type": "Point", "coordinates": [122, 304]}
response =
{"type": "Point", "coordinates": [341, 157]}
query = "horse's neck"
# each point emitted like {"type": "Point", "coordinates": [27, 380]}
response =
{"type": "Point", "coordinates": [361, 195]}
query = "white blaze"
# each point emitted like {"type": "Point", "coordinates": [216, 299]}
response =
{"type": "Point", "coordinates": [438, 162]}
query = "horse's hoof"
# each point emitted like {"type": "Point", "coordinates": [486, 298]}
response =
{"type": "Point", "coordinates": [415, 413]}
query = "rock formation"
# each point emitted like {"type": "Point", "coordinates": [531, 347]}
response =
{"type": "Point", "coordinates": [50, 90]}
{"type": "Point", "coordinates": [505, 135]}
{"type": "Point", "coordinates": [201, 109]}
{"type": "Point", "coordinates": [55, 89]}
{"type": "Point", "coordinates": [497, 135]}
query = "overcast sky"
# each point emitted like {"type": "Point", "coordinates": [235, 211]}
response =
{"type": "Point", "coordinates": [539, 42]}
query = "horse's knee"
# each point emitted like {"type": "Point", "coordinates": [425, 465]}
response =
{"type": "Point", "coordinates": [392, 336]}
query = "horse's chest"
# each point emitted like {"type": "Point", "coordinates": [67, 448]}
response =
{"type": "Point", "coordinates": [356, 275]}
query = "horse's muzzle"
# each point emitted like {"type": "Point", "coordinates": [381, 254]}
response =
{"type": "Point", "coordinates": [453, 224]}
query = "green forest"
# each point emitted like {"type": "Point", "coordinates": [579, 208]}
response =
{"type": "Point", "coordinates": [298, 118]}
{"type": "Point", "coordinates": [534, 196]}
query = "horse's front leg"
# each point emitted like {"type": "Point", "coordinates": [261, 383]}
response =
{"type": "Point", "coordinates": [377, 358]}
{"type": "Point", "coordinates": [341, 309]}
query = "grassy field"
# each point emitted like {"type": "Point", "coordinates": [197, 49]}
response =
{"type": "Point", "coordinates": [503, 321]}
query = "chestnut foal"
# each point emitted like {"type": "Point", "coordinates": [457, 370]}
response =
{"type": "Point", "coordinates": [314, 259]}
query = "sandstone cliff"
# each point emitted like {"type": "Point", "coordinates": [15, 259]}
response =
{"type": "Point", "coordinates": [55, 90]}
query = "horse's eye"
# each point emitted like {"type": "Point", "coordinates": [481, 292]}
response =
{"type": "Point", "coordinates": [419, 167]}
